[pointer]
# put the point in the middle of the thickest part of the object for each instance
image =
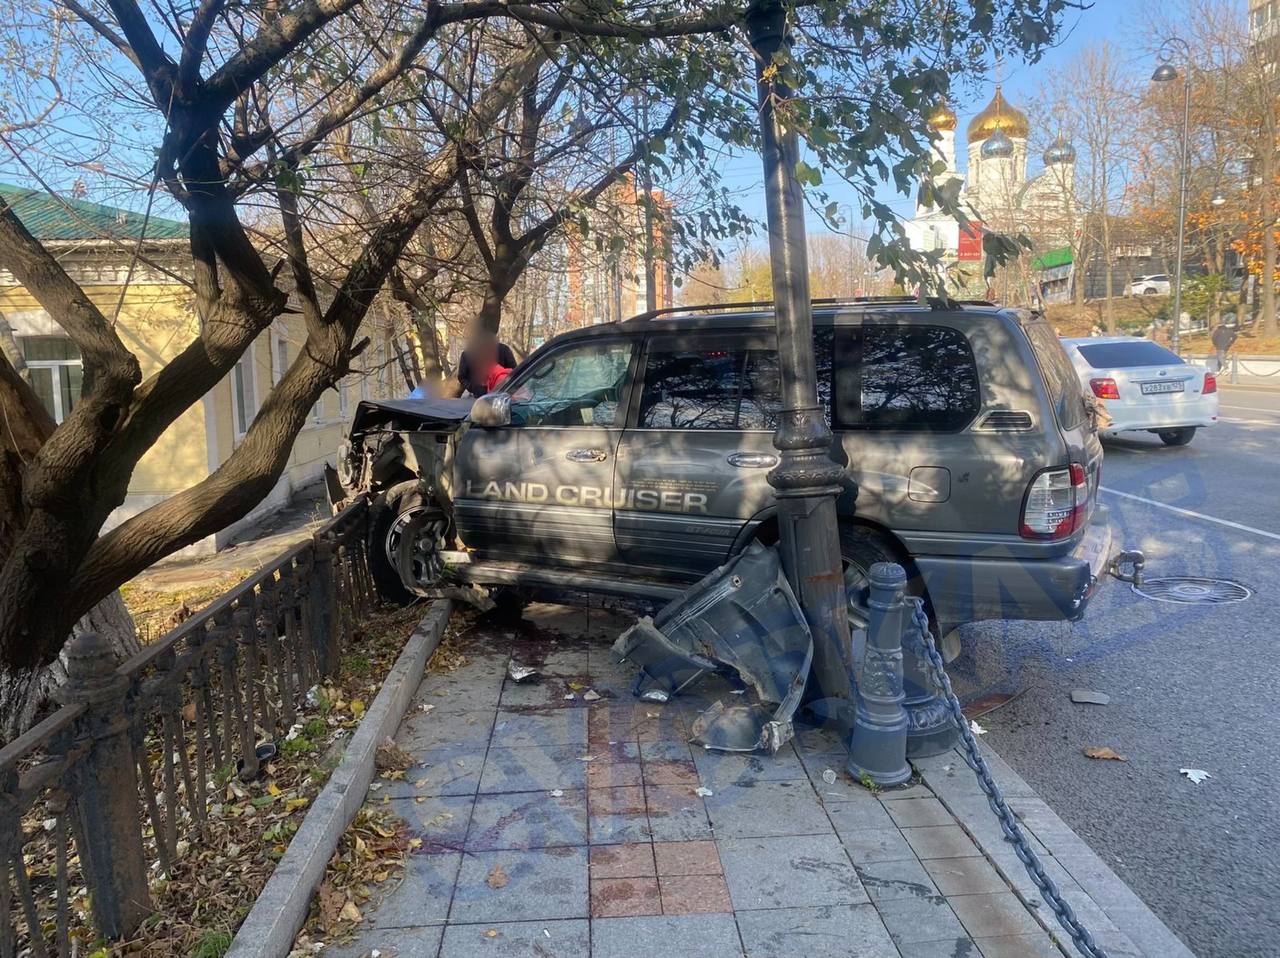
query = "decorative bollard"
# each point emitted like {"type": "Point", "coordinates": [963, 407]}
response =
{"type": "Point", "coordinates": [878, 742]}
{"type": "Point", "coordinates": [930, 730]}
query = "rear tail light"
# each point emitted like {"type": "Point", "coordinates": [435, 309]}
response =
{"type": "Point", "coordinates": [1210, 384]}
{"type": "Point", "coordinates": [1104, 388]}
{"type": "Point", "coordinates": [1056, 504]}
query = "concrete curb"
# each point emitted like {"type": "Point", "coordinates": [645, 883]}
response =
{"type": "Point", "coordinates": [281, 909]}
{"type": "Point", "coordinates": [1118, 919]}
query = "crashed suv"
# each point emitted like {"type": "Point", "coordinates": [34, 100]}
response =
{"type": "Point", "coordinates": [626, 460]}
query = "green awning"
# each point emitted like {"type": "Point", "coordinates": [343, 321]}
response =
{"type": "Point", "coordinates": [1052, 259]}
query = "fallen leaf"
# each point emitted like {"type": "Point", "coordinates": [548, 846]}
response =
{"type": "Point", "coordinates": [497, 878]}
{"type": "Point", "coordinates": [491, 933]}
{"type": "Point", "coordinates": [1197, 775]}
{"type": "Point", "coordinates": [189, 712]}
{"type": "Point", "coordinates": [1102, 752]}
{"type": "Point", "coordinates": [357, 708]}
{"type": "Point", "coordinates": [391, 757]}
{"type": "Point", "coordinates": [350, 912]}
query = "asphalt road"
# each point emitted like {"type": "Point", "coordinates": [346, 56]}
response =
{"type": "Point", "coordinates": [1191, 686]}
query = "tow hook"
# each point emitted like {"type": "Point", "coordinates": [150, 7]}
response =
{"type": "Point", "coordinates": [1127, 566]}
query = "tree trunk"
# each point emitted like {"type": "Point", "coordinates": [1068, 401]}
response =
{"type": "Point", "coordinates": [26, 694]}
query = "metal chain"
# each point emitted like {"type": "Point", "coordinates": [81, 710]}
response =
{"type": "Point", "coordinates": [1008, 823]}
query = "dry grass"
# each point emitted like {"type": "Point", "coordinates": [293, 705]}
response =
{"type": "Point", "coordinates": [156, 611]}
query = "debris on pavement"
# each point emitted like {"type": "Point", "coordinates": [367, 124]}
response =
{"type": "Point", "coordinates": [703, 792]}
{"type": "Point", "coordinates": [741, 619]}
{"type": "Point", "coordinates": [829, 776]}
{"type": "Point", "coordinates": [975, 728]}
{"type": "Point", "coordinates": [591, 695]}
{"type": "Point", "coordinates": [521, 673]}
{"type": "Point", "coordinates": [390, 757]}
{"type": "Point", "coordinates": [497, 877]}
{"type": "Point", "coordinates": [1087, 697]}
{"type": "Point", "coordinates": [1103, 752]}
{"type": "Point", "coordinates": [1197, 775]}
{"type": "Point", "coordinates": [472, 595]}
{"type": "Point", "coordinates": [654, 695]}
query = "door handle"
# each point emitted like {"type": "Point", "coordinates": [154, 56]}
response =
{"type": "Point", "coordinates": [753, 460]}
{"type": "Point", "coordinates": [586, 455]}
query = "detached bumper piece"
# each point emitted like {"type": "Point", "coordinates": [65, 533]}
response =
{"type": "Point", "coordinates": [741, 619]}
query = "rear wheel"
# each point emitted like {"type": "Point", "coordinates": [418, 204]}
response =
{"type": "Point", "coordinates": [1176, 437]}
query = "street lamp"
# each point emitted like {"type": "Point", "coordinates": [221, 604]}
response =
{"type": "Point", "coordinates": [1218, 199]}
{"type": "Point", "coordinates": [1166, 72]}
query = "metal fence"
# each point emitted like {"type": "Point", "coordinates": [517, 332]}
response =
{"type": "Point", "coordinates": [95, 799]}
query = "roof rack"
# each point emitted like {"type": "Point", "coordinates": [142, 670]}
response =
{"type": "Point", "coordinates": [933, 302]}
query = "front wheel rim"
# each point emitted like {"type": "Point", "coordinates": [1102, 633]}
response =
{"type": "Point", "coordinates": [420, 565]}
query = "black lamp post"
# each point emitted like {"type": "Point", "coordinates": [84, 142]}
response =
{"type": "Point", "coordinates": [806, 480]}
{"type": "Point", "coordinates": [1166, 72]}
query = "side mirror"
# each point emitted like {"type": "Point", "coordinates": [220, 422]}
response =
{"type": "Point", "coordinates": [492, 409]}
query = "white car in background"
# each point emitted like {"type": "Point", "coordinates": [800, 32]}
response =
{"type": "Point", "coordinates": [1145, 387]}
{"type": "Point", "coordinates": [1156, 284]}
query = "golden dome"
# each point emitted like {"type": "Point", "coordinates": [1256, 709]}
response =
{"type": "Point", "coordinates": [999, 115]}
{"type": "Point", "coordinates": [942, 117]}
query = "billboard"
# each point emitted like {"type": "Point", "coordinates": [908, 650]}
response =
{"type": "Point", "coordinates": [970, 245]}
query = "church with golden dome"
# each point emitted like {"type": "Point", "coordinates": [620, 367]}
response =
{"type": "Point", "coordinates": [994, 186]}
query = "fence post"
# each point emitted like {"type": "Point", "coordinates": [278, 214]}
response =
{"type": "Point", "coordinates": [322, 604]}
{"type": "Point", "coordinates": [106, 789]}
{"type": "Point", "coordinates": [878, 742]}
{"type": "Point", "coordinates": [1235, 368]}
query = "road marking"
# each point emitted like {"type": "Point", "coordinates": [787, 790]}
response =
{"type": "Point", "coordinates": [1193, 515]}
{"type": "Point", "coordinates": [1250, 422]}
{"type": "Point", "coordinates": [1274, 412]}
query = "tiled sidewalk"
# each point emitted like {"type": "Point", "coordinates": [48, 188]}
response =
{"type": "Point", "coordinates": [560, 824]}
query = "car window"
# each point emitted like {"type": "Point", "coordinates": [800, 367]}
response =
{"type": "Point", "coordinates": [1140, 352]}
{"type": "Point", "coordinates": [577, 386]}
{"type": "Point", "coordinates": [1060, 379]}
{"type": "Point", "coordinates": [687, 387]}
{"type": "Point", "coordinates": [904, 377]}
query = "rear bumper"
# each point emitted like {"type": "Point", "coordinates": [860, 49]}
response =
{"type": "Point", "coordinates": [1199, 412]}
{"type": "Point", "coordinates": [967, 589]}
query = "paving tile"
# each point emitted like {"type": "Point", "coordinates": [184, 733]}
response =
{"type": "Point", "coordinates": [423, 731]}
{"type": "Point", "coordinates": [694, 894]}
{"type": "Point", "coordinates": [551, 727]}
{"type": "Point", "coordinates": [687, 858]}
{"type": "Point", "coordinates": [612, 722]}
{"type": "Point", "coordinates": [887, 881]}
{"type": "Point", "coordinates": [613, 774]}
{"type": "Point", "coordinates": [998, 915]}
{"type": "Point", "coordinates": [965, 876]}
{"type": "Point", "coordinates": [618, 897]}
{"type": "Point", "coordinates": [533, 769]}
{"type": "Point", "coordinates": [789, 871]}
{"type": "Point", "coordinates": [516, 939]}
{"type": "Point", "coordinates": [663, 750]}
{"type": "Point", "coordinates": [441, 770]}
{"type": "Point", "coordinates": [540, 884]}
{"type": "Point", "coordinates": [671, 772]}
{"type": "Point", "coordinates": [874, 845]}
{"type": "Point", "coordinates": [689, 936]}
{"type": "Point", "coordinates": [617, 815]}
{"type": "Point", "coordinates": [946, 948]}
{"type": "Point", "coordinates": [864, 813]}
{"type": "Point", "coordinates": [767, 809]}
{"type": "Point", "coordinates": [422, 895]}
{"type": "Point", "coordinates": [441, 822]}
{"type": "Point", "coordinates": [547, 692]}
{"type": "Point", "coordinates": [1019, 946]}
{"type": "Point", "coordinates": [722, 769]}
{"type": "Point", "coordinates": [634, 860]}
{"type": "Point", "coordinates": [676, 814]}
{"type": "Point", "coordinates": [565, 662]}
{"type": "Point", "coordinates": [830, 931]}
{"type": "Point", "coordinates": [940, 841]}
{"type": "Point", "coordinates": [911, 920]}
{"type": "Point", "coordinates": [528, 820]}
{"type": "Point", "coordinates": [419, 942]}
{"type": "Point", "coordinates": [904, 794]}
{"type": "Point", "coordinates": [919, 812]}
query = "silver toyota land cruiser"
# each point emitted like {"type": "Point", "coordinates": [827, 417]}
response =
{"type": "Point", "coordinates": [626, 460]}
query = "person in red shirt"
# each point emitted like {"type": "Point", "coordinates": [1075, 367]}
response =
{"type": "Point", "coordinates": [480, 357]}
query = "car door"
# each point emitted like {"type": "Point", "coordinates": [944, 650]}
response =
{"type": "Point", "coordinates": [541, 487]}
{"type": "Point", "coordinates": [694, 467]}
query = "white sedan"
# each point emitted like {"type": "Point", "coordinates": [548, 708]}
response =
{"type": "Point", "coordinates": [1145, 387]}
{"type": "Point", "coordinates": [1151, 285]}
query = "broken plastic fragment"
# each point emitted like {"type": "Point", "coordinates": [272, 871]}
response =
{"type": "Point", "coordinates": [829, 776]}
{"type": "Point", "coordinates": [654, 695]}
{"type": "Point", "coordinates": [557, 793]}
{"type": "Point", "coordinates": [1086, 697]}
{"type": "Point", "coordinates": [520, 673]}
{"type": "Point", "coordinates": [1197, 775]}
{"type": "Point", "coordinates": [590, 695]}
{"type": "Point", "coordinates": [975, 728]}
{"type": "Point", "coordinates": [703, 792]}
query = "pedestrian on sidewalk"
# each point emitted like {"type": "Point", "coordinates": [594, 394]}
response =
{"type": "Point", "coordinates": [1224, 337]}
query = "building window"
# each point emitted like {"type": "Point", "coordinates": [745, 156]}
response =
{"type": "Point", "coordinates": [57, 373]}
{"type": "Point", "coordinates": [279, 358]}
{"type": "Point", "coordinates": [243, 400]}
{"type": "Point", "coordinates": [317, 411]}
{"type": "Point", "coordinates": [343, 402]}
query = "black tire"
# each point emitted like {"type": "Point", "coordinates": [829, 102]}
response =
{"type": "Point", "coordinates": [1177, 437]}
{"type": "Point", "coordinates": [861, 548]}
{"type": "Point", "coordinates": [401, 499]}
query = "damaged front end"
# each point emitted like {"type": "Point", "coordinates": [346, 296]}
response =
{"type": "Point", "coordinates": [744, 620]}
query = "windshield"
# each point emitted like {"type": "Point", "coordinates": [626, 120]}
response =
{"type": "Point", "coordinates": [1123, 355]}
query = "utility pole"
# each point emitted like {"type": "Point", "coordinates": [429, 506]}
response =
{"type": "Point", "coordinates": [650, 280]}
{"type": "Point", "coordinates": [806, 480]}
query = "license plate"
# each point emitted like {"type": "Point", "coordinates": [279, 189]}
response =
{"type": "Point", "coordinates": [1175, 386]}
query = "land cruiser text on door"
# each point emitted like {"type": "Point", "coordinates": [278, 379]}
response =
{"type": "Point", "coordinates": [629, 459]}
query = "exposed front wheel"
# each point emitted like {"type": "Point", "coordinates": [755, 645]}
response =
{"type": "Point", "coordinates": [1176, 437]}
{"type": "Point", "coordinates": [406, 534]}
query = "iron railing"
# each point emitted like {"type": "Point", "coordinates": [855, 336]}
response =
{"type": "Point", "coordinates": [96, 799]}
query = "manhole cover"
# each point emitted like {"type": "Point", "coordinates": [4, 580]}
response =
{"type": "Point", "coordinates": [1191, 590]}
